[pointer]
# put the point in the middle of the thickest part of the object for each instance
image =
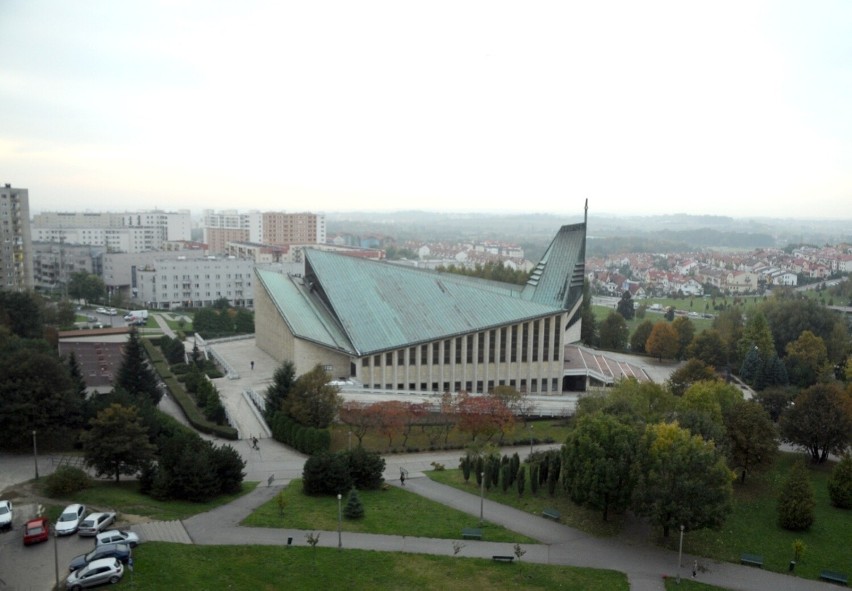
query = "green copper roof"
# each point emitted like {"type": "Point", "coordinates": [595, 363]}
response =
{"type": "Point", "coordinates": [364, 307]}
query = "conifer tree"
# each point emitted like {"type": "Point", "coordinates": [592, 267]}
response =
{"type": "Point", "coordinates": [354, 508]}
{"type": "Point", "coordinates": [840, 483]}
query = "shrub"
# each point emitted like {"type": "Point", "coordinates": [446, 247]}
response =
{"type": "Point", "coordinates": [840, 483]}
{"type": "Point", "coordinates": [66, 481]}
{"type": "Point", "coordinates": [796, 502]}
{"type": "Point", "coordinates": [326, 473]}
{"type": "Point", "coordinates": [365, 468]}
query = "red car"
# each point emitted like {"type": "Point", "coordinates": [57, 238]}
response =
{"type": "Point", "coordinates": [36, 530]}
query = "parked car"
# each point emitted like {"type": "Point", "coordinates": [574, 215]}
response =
{"type": "Point", "coordinates": [70, 519]}
{"type": "Point", "coordinates": [119, 551]}
{"type": "Point", "coordinates": [101, 311]}
{"type": "Point", "coordinates": [36, 530]}
{"type": "Point", "coordinates": [94, 523]}
{"type": "Point", "coordinates": [98, 572]}
{"type": "Point", "coordinates": [114, 536]}
{"type": "Point", "coordinates": [6, 514]}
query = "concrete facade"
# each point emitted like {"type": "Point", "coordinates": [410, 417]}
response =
{"type": "Point", "coordinates": [195, 283]}
{"type": "Point", "coordinates": [16, 256]}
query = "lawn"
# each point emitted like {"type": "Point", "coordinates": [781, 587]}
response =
{"type": "Point", "coordinates": [544, 431]}
{"type": "Point", "coordinates": [752, 527]}
{"type": "Point", "coordinates": [572, 515]}
{"type": "Point", "coordinates": [391, 511]}
{"type": "Point", "coordinates": [690, 585]}
{"type": "Point", "coordinates": [160, 565]}
{"type": "Point", "coordinates": [124, 497]}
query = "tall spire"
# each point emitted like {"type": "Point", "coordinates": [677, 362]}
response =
{"type": "Point", "coordinates": [586, 212]}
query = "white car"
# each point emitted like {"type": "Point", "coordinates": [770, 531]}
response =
{"type": "Point", "coordinates": [101, 310]}
{"type": "Point", "coordinates": [6, 514]}
{"type": "Point", "coordinates": [115, 535]}
{"type": "Point", "coordinates": [97, 572]}
{"type": "Point", "coordinates": [70, 519]}
{"type": "Point", "coordinates": [94, 523]}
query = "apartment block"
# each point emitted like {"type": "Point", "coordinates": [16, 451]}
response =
{"type": "Point", "coordinates": [195, 283]}
{"type": "Point", "coordinates": [16, 262]}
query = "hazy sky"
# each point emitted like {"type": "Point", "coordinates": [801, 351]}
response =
{"type": "Point", "coordinates": [732, 108]}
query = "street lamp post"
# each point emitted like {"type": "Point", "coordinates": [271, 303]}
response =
{"type": "Point", "coordinates": [35, 454]}
{"type": "Point", "coordinates": [481, 495]}
{"type": "Point", "coordinates": [339, 522]}
{"type": "Point", "coordinates": [531, 439]}
{"type": "Point", "coordinates": [679, 554]}
{"type": "Point", "coordinates": [55, 557]}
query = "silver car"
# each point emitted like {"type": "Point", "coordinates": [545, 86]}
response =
{"type": "Point", "coordinates": [95, 523]}
{"type": "Point", "coordinates": [70, 519]}
{"type": "Point", "coordinates": [97, 572]}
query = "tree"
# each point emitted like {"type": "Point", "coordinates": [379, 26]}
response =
{"type": "Point", "coordinates": [756, 336]}
{"type": "Point", "coordinates": [357, 416]}
{"type": "Point", "coordinates": [796, 501]}
{"type": "Point", "coordinates": [820, 421]}
{"type": "Point", "coordinates": [752, 437]}
{"type": "Point", "coordinates": [21, 313]}
{"type": "Point", "coordinates": [313, 401]}
{"type": "Point", "coordinates": [613, 332]}
{"type": "Point", "coordinates": [776, 400]}
{"type": "Point", "coordinates": [682, 480]}
{"type": "Point", "coordinates": [840, 483]}
{"type": "Point", "coordinates": [707, 346]}
{"type": "Point", "coordinates": [483, 415]}
{"type": "Point", "coordinates": [690, 372]}
{"type": "Point", "coordinates": [85, 286]}
{"type": "Point", "coordinates": [117, 442]}
{"type": "Point", "coordinates": [806, 360]}
{"type": "Point", "coordinates": [354, 508]}
{"type": "Point", "coordinates": [685, 332]}
{"type": "Point", "coordinates": [598, 461]}
{"type": "Point", "coordinates": [625, 306]}
{"type": "Point", "coordinates": [389, 418]}
{"type": "Point", "coordinates": [790, 317]}
{"type": "Point", "coordinates": [640, 336]}
{"type": "Point", "coordinates": [228, 466]}
{"type": "Point", "coordinates": [134, 376]}
{"type": "Point", "coordinates": [588, 322]}
{"type": "Point", "coordinates": [663, 341]}
{"type": "Point", "coordinates": [76, 374]}
{"type": "Point", "coordinates": [282, 382]}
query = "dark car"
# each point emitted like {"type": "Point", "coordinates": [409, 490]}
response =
{"type": "Point", "coordinates": [120, 551]}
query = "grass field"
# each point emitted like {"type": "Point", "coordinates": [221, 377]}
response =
{"type": "Point", "coordinates": [391, 511]}
{"type": "Point", "coordinates": [584, 519]}
{"type": "Point", "coordinates": [160, 565]}
{"type": "Point", "coordinates": [753, 528]}
{"type": "Point", "coordinates": [124, 497]}
{"type": "Point", "coordinates": [690, 585]}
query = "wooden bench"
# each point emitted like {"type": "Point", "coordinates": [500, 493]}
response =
{"type": "Point", "coordinates": [472, 533]}
{"type": "Point", "coordinates": [834, 577]}
{"type": "Point", "coordinates": [752, 560]}
{"type": "Point", "coordinates": [502, 558]}
{"type": "Point", "coordinates": [551, 513]}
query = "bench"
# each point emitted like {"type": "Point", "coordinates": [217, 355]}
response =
{"type": "Point", "coordinates": [502, 558]}
{"type": "Point", "coordinates": [551, 513]}
{"type": "Point", "coordinates": [472, 533]}
{"type": "Point", "coordinates": [752, 560]}
{"type": "Point", "coordinates": [834, 577]}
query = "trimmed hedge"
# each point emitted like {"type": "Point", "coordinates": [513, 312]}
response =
{"type": "Point", "coordinates": [187, 404]}
{"type": "Point", "coordinates": [308, 440]}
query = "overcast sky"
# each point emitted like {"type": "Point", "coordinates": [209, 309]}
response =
{"type": "Point", "coordinates": [731, 108]}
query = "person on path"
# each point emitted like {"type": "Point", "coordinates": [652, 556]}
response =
{"type": "Point", "coordinates": [402, 476]}
{"type": "Point", "coordinates": [694, 569]}
{"type": "Point", "coordinates": [252, 365]}
{"type": "Point", "coordinates": [254, 442]}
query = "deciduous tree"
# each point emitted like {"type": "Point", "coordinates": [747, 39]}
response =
{"type": "Point", "coordinates": [663, 341]}
{"type": "Point", "coordinates": [840, 483]}
{"type": "Point", "coordinates": [752, 437]}
{"type": "Point", "coordinates": [613, 332]}
{"type": "Point", "coordinates": [117, 442]}
{"type": "Point", "coordinates": [598, 461]}
{"type": "Point", "coordinates": [796, 501]}
{"type": "Point", "coordinates": [690, 372]}
{"type": "Point", "coordinates": [806, 360]}
{"type": "Point", "coordinates": [483, 415]}
{"type": "Point", "coordinates": [685, 333]}
{"type": "Point", "coordinates": [707, 346]}
{"type": "Point", "coordinates": [640, 336]}
{"type": "Point", "coordinates": [820, 421]}
{"type": "Point", "coordinates": [682, 480]}
{"type": "Point", "coordinates": [313, 401]}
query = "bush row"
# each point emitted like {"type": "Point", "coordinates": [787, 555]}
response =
{"type": "Point", "coordinates": [307, 440]}
{"type": "Point", "coordinates": [190, 410]}
{"type": "Point", "coordinates": [327, 473]}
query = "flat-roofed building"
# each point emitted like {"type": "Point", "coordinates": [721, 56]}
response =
{"type": "Point", "coordinates": [16, 256]}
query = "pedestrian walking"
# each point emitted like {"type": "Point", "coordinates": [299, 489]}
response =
{"type": "Point", "coordinates": [252, 365]}
{"type": "Point", "coordinates": [402, 476]}
{"type": "Point", "coordinates": [254, 442]}
{"type": "Point", "coordinates": [694, 569]}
